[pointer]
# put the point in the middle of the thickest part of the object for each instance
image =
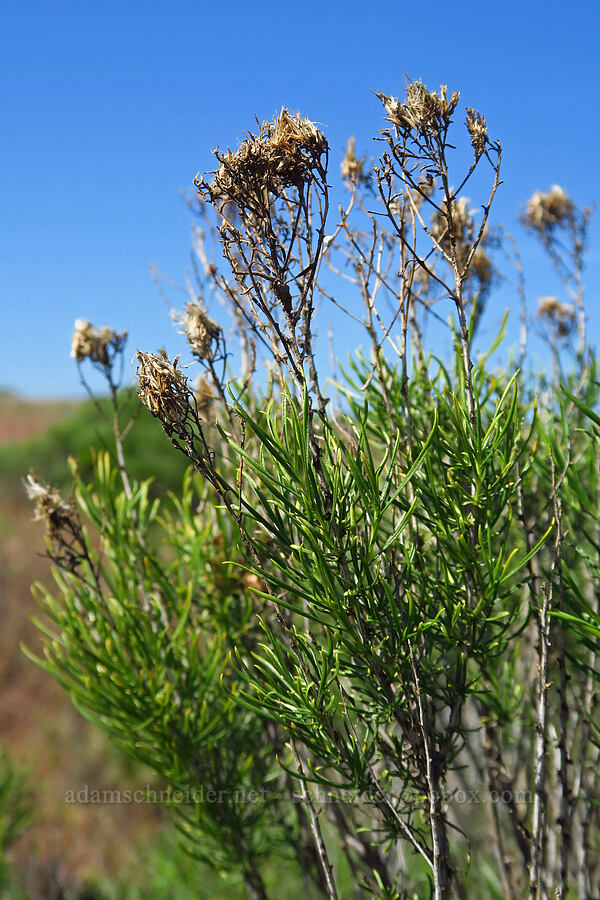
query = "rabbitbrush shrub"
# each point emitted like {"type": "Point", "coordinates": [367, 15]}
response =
{"type": "Point", "coordinates": [364, 635]}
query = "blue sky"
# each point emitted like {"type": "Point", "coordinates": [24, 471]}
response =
{"type": "Point", "coordinates": [110, 109]}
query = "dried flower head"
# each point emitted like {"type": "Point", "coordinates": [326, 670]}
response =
{"type": "Point", "coordinates": [290, 133]}
{"type": "Point", "coordinates": [200, 330]}
{"type": "Point", "coordinates": [477, 129]}
{"type": "Point", "coordinates": [205, 397]}
{"type": "Point", "coordinates": [423, 109]}
{"type": "Point", "coordinates": [482, 270]}
{"type": "Point", "coordinates": [547, 211]}
{"type": "Point", "coordinates": [64, 537]}
{"type": "Point", "coordinates": [560, 315]}
{"type": "Point", "coordinates": [49, 505]}
{"type": "Point", "coordinates": [352, 167]}
{"type": "Point", "coordinates": [98, 345]}
{"type": "Point", "coordinates": [462, 222]}
{"type": "Point", "coordinates": [284, 153]}
{"type": "Point", "coordinates": [163, 388]}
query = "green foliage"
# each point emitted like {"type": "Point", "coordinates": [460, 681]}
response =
{"type": "Point", "coordinates": [399, 554]}
{"type": "Point", "coordinates": [134, 634]}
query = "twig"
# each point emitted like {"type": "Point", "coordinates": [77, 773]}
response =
{"type": "Point", "coordinates": [326, 866]}
{"type": "Point", "coordinates": [537, 888]}
{"type": "Point", "coordinates": [441, 864]}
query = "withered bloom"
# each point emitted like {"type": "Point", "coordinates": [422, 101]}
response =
{"type": "Point", "coordinates": [205, 397]}
{"type": "Point", "coordinates": [561, 316]}
{"type": "Point", "coordinates": [462, 222]}
{"type": "Point", "coordinates": [201, 332]}
{"type": "Point", "coordinates": [163, 389]}
{"type": "Point", "coordinates": [547, 211]}
{"type": "Point", "coordinates": [477, 129]}
{"type": "Point", "coordinates": [283, 154]}
{"type": "Point", "coordinates": [63, 533]}
{"type": "Point", "coordinates": [352, 167]}
{"type": "Point", "coordinates": [481, 271]}
{"type": "Point", "coordinates": [49, 505]}
{"type": "Point", "coordinates": [96, 344]}
{"type": "Point", "coordinates": [422, 110]}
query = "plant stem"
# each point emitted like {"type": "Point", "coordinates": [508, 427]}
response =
{"type": "Point", "coordinates": [326, 867]}
{"type": "Point", "coordinates": [442, 870]}
{"type": "Point", "coordinates": [536, 887]}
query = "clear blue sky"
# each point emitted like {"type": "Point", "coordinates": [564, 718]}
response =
{"type": "Point", "coordinates": [110, 109]}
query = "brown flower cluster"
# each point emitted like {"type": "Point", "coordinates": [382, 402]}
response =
{"type": "Point", "coordinates": [64, 538]}
{"type": "Point", "coordinates": [284, 153]}
{"type": "Point", "coordinates": [352, 166]}
{"type": "Point", "coordinates": [163, 389]}
{"type": "Point", "coordinates": [205, 398]}
{"type": "Point", "coordinates": [49, 505]}
{"type": "Point", "coordinates": [560, 315]}
{"type": "Point", "coordinates": [98, 345]}
{"type": "Point", "coordinates": [480, 268]}
{"type": "Point", "coordinates": [201, 332]}
{"type": "Point", "coordinates": [423, 109]}
{"type": "Point", "coordinates": [462, 222]}
{"type": "Point", "coordinates": [478, 131]}
{"type": "Point", "coordinates": [547, 211]}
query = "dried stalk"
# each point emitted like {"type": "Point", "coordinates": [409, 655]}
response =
{"type": "Point", "coordinates": [442, 870]}
{"type": "Point", "coordinates": [325, 864]}
{"type": "Point", "coordinates": [537, 887]}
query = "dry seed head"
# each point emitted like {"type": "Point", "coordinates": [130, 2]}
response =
{"type": "Point", "coordinates": [290, 133]}
{"type": "Point", "coordinates": [422, 110]}
{"type": "Point", "coordinates": [461, 218]}
{"type": "Point", "coordinates": [284, 153]}
{"type": "Point", "coordinates": [95, 343]}
{"type": "Point", "coordinates": [446, 107]}
{"type": "Point", "coordinates": [481, 267]}
{"type": "Point", "coordinates": [199, 329]}
{"type": "Point", "coordinates": [163, 388]}
{"type": "Point", "coordinates": [546, 211]}
{"type": "Point", "coordinates": [205, 397]}
{"type": "Point", "coordinates": [394, 108]}
{"type": "Point", "coordinates": [63, 533]}
{"type": "Point", "coordinates": [419, 109]}
{"type": "Point", "coordinates": [49, 505]}
{"type": "Point", "coordinates": [560, 315]}
{"type": "Point", "coordinates": [352, 167]}
{"type": "Point", "coordinates": [477, 129]}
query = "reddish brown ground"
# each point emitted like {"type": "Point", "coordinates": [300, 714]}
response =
{"type": "Point", "coordinates": [38, 725]}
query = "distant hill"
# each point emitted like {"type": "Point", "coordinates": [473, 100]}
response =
{"type": "Point", "coordinates": [21, 418]}
{"type": "Point", "coordinates": [41, 435]}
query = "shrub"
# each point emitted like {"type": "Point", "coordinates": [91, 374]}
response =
{"type": "Point", "coordinates": [363, 636]}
